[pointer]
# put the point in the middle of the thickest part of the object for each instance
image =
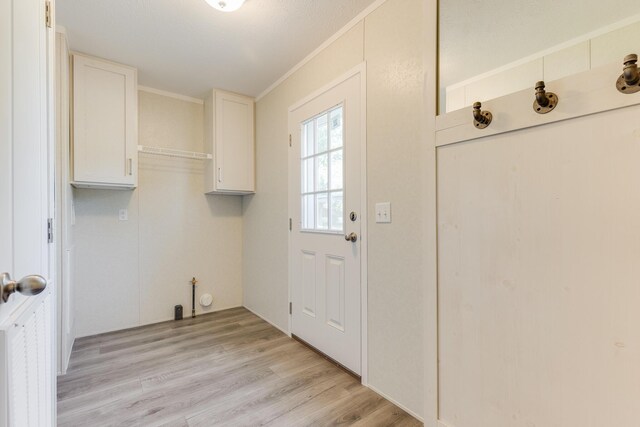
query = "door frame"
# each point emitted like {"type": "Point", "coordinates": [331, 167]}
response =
{"type": "Point", "coordinates": [361, 70]}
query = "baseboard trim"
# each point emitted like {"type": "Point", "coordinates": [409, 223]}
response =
{"type": "Point", "coordinates": [398, 404]}
{"type": "Point", "coordinates": [65, 365]}
{"type": "Point", "coordinates": [287, 333]}
{"type": "Point", "coordinates": [157, 321]}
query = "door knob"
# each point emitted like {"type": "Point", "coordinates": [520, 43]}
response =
{"type": "Point", "coordinates": [351, 237]}
{"type": "Point", "coordinates": [28, 285]}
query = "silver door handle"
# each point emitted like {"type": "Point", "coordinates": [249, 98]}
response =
{"type": "Point", "coordinates": [28, 285]}
{"type": "Point", "coordinates": [351, 237]}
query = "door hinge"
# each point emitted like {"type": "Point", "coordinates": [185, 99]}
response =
{"type": "Point", "coordinates": [290, 308]}
{"type": "Point", "coordinates": [290, 224]}
{"type": "Point", "coordinates": [47, 14]}
{"type": "Point", "coordinates": [289, 140]}
{"type": "Point", "coordinates": [50, 230]}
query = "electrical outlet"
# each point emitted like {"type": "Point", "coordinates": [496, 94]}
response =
{"type": "Point", "coordinates": [383, 212]}
{"type": "Point", "coordinates": [123, 215]}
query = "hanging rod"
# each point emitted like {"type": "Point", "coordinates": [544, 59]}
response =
{"type": "Point", "coordinates": [169, 152]}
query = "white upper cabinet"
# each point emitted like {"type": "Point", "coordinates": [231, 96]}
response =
{"type": "Point", "coordinates": [229, 136]}
{"type": "Point", "coordinates": [105, 124]}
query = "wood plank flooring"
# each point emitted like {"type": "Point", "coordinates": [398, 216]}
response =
{"type": "Point", "coordinates": [228, 368]}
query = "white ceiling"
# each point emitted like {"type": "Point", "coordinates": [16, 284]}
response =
{"type": "Point", "coordinates": [479, 35]}
{"type": "Point", "coordinates": [187, 47]}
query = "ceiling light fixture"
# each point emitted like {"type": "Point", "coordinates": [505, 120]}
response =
{"type": "Point", "coordinates": [226, 5]}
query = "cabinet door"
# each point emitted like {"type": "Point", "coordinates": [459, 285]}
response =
{"type": "Point", "coordinates": [234, 143]}
{"type": "Point", "coordinates": [105, 122]}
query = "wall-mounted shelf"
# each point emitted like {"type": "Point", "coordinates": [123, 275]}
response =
{"type": "Point", "coordinates": [169, 152]}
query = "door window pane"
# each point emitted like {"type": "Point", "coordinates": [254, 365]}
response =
{"type": "Point", "coordinates": [308, 140]}
{"type": "Point", "coordinates": [307, 175]}
{"type": "Point", "coordinates": [337, 211]}
{"type": "Point", "coordinates": [336, 170]}
{"type": "Point", "coordinates": [321, 134]}
{"type": "Point", "coordinates": [322, 211]}
{"type": "Point", "coordinates": [322, 172]}
{"type": "Point", "coordinates": [335, 126]}
{"type": "Point", "coordinates": [308, 212]}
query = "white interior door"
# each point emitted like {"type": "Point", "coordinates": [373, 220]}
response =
{"type": "Point", "coordinates": [24, 192]}
{"type": "Point", "coordinates": [325, 207]}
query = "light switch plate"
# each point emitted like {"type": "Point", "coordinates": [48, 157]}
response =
{"type": "Point", "coordinates": [123, 215]}
{"type": "Point", "coordinates": [383, 212]}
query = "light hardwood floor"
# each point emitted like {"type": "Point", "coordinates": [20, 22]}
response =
{"type": "Point", "coordinates": [228, 368]}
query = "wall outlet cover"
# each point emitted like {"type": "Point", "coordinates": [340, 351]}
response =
{"type": "Point", "coordinates": [383, 212]}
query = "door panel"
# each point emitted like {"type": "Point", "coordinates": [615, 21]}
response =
{"type": "Point", "coordinates": [309, 283]}
{"type": "Point", "coordinates": [24, 169]}
{"type": "Point", "coordinates": [26, 325]}
{"type": "Point", "coordinates": [325, 174]}
{"type": "Point", "coordinates": [335, 292]}
{"type": "Point", "coordinates": [29, 138]}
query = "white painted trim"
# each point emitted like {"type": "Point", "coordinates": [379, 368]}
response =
{"type": "Point", "coordinates": [156, 321]}
{"type": "Point", "coordinates": [364, 234]}
{"type": "Point", "coordinates": [395, 402]}
{"type": "Point", "coordinates": [65, 364]}
{"type": "Point", "coordinates": [360, 69]}
{"type": "Point", "coordinates": [370, 9]}
{"type": "Point", "coordinates": [62, 155]}
{"type": "Point", "coordinates": [170, 94]}
{"type": "Point", "coordinates": [429, 177]}
{"type": "Point", "coordinates": [287, 333]}
{"type": "Point", "coordinates": [50, 249]}
{"type": "Point", "coordinates": [74, 53]}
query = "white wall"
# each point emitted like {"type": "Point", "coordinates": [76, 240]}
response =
{"type": "Point", "coordinates": [538, 242]}
{"type": "Point", "coordinates": [390, 41]}
{"type": "Point", "coordinates": [133, 272]}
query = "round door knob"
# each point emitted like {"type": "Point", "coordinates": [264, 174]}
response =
{"type": "Point", "coordinates": [351, 237]}
{"type": "Point", "coordinates": [29, 285]}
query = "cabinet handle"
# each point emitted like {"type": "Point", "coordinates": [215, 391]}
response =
{"type": "Point", "coordinates": [130, 166]}
{"type": "Point", "coordinates": [219, 174]}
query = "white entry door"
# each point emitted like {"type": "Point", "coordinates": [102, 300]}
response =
{"type": "Point", "coordinates": [26, 322]}
{"type": "Point", "coordinates": [326, 213]}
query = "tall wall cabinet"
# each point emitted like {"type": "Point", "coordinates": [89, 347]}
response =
{"type": "Point", "coordinates": [105, 124]}
{"type": "Point", "coordinates": [229, 136]}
